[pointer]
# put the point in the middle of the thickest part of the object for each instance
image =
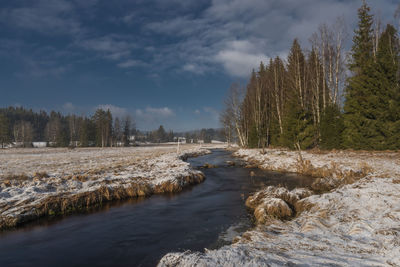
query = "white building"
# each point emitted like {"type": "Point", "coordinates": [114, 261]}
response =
{"type": "Point", "coordinates": [39, 144]}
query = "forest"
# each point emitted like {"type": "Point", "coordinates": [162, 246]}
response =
{"type": "Point", "coordinates": [323, 97]}
{"type": "Point", "coordinates": [22, 127]}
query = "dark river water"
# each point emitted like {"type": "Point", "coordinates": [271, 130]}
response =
{"type": "Point", "coordinates": [139, 232]}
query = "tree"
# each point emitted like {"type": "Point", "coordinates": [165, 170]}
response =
{"type": "Point", "coordinates": [233, 112]}
{"type": "Point", "coordinates": [331, 128]}
{"type": "Point", "coordinates": [87, 133]}
{"type": "Point", "coordinates": [127, 130]}
{"type": "Point", "coordinates": [361, 126]}
{"type": "Point", "coordinates": [74, 123]}
{"type": "Point", "coordinates": [56, 130]}
{"type": "Point", "coordinates": [117, 131]}
{"type": "Point", "coordinates": [387, 106]}
{"type": "Point", "coordinates": [4, 132]}
{"type": "Point", "coordinates": [103, 123]}
{"type": "Point", "coordinates": [161, 134]}
{"type": "Point", "coordinates": [23, 133]}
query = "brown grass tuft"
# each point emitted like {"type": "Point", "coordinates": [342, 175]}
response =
{"type": "Point", "coordinates": [40, 175]}
{"type": "Point", "coordinates": [80, 177]}
{"type": "Point", "coordinates": [275, 203]}
{"type": "Point", "coordinates": [18, 177]}
{"type": "Point", "coordinates": [272, 208]}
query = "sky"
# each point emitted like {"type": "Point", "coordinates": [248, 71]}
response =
{"type": "Point", "coordinates": [166, 62]}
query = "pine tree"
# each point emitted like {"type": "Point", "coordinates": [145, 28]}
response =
{"type": "Point", "coordinates": [362, 128]}
{"type": "Point", "coordinates": [4, 130]}
{"type": "Point", "coordinates": [127, 130]}
{"type": "Point", "coordinates": [84, 133]}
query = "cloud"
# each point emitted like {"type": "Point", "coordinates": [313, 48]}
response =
{"type": "Point", "coordinates": [239, 58]}
{"type": "Point", "coordinates": [68, 106]}
{"type": "Point", "coordinates": [150, 112]}
{"type": "Point", "coordinates": [206, 38]}
{"type": "Point", "coordinates": [151, 117]}
{"type": "Point", "coordinates": [193, 68]}
{"type": "Point", "coordinates": [131, 63]}
{"type": "Point", "coordinates": [43, 16]}
{"type": "Point", "coordinates": [115, 110]}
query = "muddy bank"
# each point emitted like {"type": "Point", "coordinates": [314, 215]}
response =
{"type": "Point", "coordinates": [31, 197]}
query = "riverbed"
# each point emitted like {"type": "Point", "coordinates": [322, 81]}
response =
{"type": "Point", "coordinates": [139, 232]}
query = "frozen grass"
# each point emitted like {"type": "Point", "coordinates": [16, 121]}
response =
{"type": "Point", "coordinates": [40, 182]}
{"type": "Point", "coordinates": [354, 223]}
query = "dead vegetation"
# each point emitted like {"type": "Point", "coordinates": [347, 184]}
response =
{"type": "Point", "coordinates": [90, 181]}
{"type": "Point", "coordinates": [40, 175]}
{"type": "Point", "coordinates": [330, 177]}
{"type": "Point", "coordinates": [275, 203]}
{"type": "Point", "coordinates": [67, 203]}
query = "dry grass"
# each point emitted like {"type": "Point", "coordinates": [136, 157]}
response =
{"type": "Point", "coordinates": [113, 173]}
{"type": "Point", "coordinates": [333, 176]}
{"type": "Point", "coordinates": [272, 208]}
{"type": "Point", "coordinates": [40, 175]}
{"type": "Point", "coordinates": [18, 177]}
{"type": "Point", "coordinates": [275, 203]}
{"type": "Point", "coordinates": [66, 204]}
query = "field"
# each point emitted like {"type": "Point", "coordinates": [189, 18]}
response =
{"type": "Point", "coordinates": [54, 181]}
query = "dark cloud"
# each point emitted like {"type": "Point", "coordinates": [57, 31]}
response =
{"type": "Point", "coordinates": [193, 36]}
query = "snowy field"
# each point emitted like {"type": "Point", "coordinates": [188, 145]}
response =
{"type": "Point", "coordinates": [355, 224]}
{"type": "Point", "coordinates": [50, 181]}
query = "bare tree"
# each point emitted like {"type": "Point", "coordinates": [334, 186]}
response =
{"type": "Point", "coordinates": [329, 43]}
{"type": "Point", "coordinates": [233, 112]}
{"type": "Point", "coordinates": [23, 133]}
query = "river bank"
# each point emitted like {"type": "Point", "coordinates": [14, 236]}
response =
{"type": "Point", "coordinates": [353, 221]}
{"type": "Point", "coordinates": [49, 182]}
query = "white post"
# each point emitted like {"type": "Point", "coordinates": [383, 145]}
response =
{"type": "Point", "coordinates": [177, 150]}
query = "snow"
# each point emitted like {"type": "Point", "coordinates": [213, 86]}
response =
{"type": "Point", "coordinates": [355, 224]}
{"type": "Point", "coordinates": [30, 176]}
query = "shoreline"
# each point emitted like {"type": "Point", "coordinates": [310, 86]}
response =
{"type": "Point", "coordinates": [141, 173]}
{"type": "Point", "coordinates": [353, 221]}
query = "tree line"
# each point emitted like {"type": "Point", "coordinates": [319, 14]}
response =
{"type": "Point", "coordinates": [297, 102]}
{"type": "Point", "coordinates": [23, 127]}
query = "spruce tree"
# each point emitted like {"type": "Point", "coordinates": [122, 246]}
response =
{"type": "Point", "coordinates": [298, 124]}
{"type": "Point", "coordinates": [4, 130]}
{"type": "Point", "coordinates": [331, 128]}
{"type": "Point", "coordinates": [362, 127]}
{"type": "Point", "coordinates": [387, 87]}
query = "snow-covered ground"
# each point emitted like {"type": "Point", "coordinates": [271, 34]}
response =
{"type": "Point", "coordinates": [45, 181]}
{"type": "Point", "coordinates": [356, 224]}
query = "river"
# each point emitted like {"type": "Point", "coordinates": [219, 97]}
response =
{"type": "Point", "coordinates": [139, 232]}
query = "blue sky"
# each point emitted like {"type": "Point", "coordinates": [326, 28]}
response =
{"type": "Point", "coordinates": [163, 62]}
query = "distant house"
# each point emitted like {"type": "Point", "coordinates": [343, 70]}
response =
{"type": "Point", "coordinates": [182, 140]}
{"type": "Point", "coordinates": [39, 144]}
{"type": "Point", "coordinates": [217, 142]}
